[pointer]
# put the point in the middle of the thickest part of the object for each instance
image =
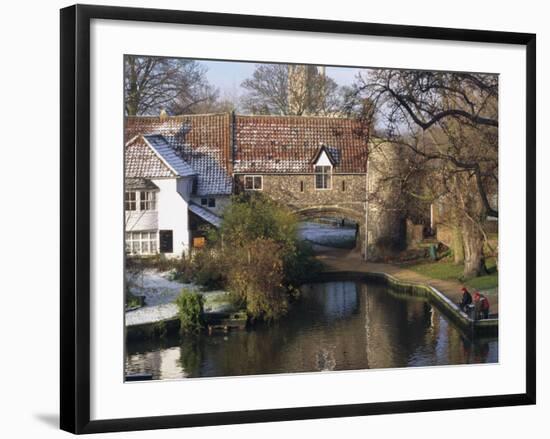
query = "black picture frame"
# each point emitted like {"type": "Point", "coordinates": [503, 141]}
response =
{"type": "Point", "coordinates": [75, 217]}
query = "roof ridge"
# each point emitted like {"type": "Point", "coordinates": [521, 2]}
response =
{"type": "Point", "coordinates": [294, 116]}
{"type": "Point", "coordinates": [176, 116]}
{"type": "Point", "coordinates": [273, 116]}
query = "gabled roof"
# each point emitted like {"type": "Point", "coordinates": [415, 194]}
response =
{"type": "Point", "coordinates": [286, 144]}
{"type": "Point", "coordinates": [141, 161]}
{"type": "Point", "coordinates": [202, 141]}
{"type": "Point", "coordinates": [152, 157]}
{"type": "Point", "coordinates": [179, 166]}
{"type": "Point", "coordinates": [323, 149]}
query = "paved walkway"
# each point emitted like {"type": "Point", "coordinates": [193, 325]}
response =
{"type": "Point", "coordinates": [350, 260]}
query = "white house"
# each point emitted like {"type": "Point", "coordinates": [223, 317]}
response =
{"type": "Point", "coordinates": [161, 193]}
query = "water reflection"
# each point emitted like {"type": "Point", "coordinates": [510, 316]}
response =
{"type": "Point", "coordinates": [334, 326]}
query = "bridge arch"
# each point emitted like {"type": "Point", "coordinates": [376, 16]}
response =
{"type": "Point", "coordinates": [312, 212]}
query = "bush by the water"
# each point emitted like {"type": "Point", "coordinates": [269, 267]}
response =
{"type": "Point", "coordinates": [256, 277]}
{"type": "Point", "coordinates": [265, 260]}
{"type": "Point", "coordinates": [191, 311]}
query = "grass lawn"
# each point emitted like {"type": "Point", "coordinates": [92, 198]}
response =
{"type": "Point", "coordinates": [447, 270]}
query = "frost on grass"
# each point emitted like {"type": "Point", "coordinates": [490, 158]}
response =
{"type": "Point", "coordinates": [157, 287]}
{"type": "Point", "coordinates": [160, 293]}
{"type": "Point", "coordinates": [328, 235]}
{"type": "Point", "coordinates": [151, 314]}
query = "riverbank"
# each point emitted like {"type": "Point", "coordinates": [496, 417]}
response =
{"type": "Point", "coordinates": [446, 293]}
{"type": "Point", "coordinates": [160, 291]}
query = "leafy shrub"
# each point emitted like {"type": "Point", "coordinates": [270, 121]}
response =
{"type": "Point", "coordinates": [253, 216]}
{"type": "Point", "coordinates": [300, 265]}
{"type": "Point", "coordinates": [256, 276]}
{"type": "Point", "coordinates": [207, 268]}
{"type": "Point", "coordinates": [191, 311]}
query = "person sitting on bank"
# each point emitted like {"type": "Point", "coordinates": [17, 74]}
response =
{"type": "Point", "coordinates": [466, 299]}
{"type": "Point", "coordinates": [482, 305]}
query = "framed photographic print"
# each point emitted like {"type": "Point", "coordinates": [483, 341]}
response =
{"type": "Point", "coordinates": [272, 218]}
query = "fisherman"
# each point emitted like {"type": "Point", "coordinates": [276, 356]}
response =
{"type": "Point", "coordinates": [482, 305]}
{"type": "Point", "coordinates": [466, 299]}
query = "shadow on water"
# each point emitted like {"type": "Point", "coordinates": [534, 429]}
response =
{"type": "Point", "coordinates": [334, 326]}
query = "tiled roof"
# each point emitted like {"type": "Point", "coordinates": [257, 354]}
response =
{"type": "Point", "coordinates": [279, 144]}
{"type": "Point", "coordinates": [205, 214]}
{"type": "Point", "coordinates": [142, 162]}
{"type": "Point", "coordinates": [203, 141]}
{"type": "Point", "coordinates": [288, 144]}
{"type": "Point", "coordinates": [163, 148]}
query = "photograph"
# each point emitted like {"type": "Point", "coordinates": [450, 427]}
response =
{"type": "Point", "coordinates": [296, 218]}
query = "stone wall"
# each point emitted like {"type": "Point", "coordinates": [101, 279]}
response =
{"type": "Point", "coordinates": [298, 191]}
{"type": "Point", "coordinates": [347, 198]}
{"type": "Point", "coordinates": [387, 206]}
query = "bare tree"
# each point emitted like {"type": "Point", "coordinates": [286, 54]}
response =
{"type": "Point", "coordinates": [449, 121]}
{"type": "Point", "coordinates": [290, 90]}
{"type": "Point", "coordinates": [155, 83]}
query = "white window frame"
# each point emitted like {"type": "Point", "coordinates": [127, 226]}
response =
{"type": "Point", "coordinates": [127, 201]}
{"type": "Point", "coordinates": [150, 200]}
{"type": "Point", "coordinates": [253, 177]}
{"type": "Point", "coordinates": [147, 242]}
{"type": "Point", "coordinates": [325, 175]}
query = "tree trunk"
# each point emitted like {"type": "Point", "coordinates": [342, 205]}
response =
{"type": "Point", "coordinates": [474, 259]}
{"type": "Point", "coordinates": [458, 246]}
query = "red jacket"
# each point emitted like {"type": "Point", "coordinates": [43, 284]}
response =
{"type": "Point", "coordinates": [484, 303]}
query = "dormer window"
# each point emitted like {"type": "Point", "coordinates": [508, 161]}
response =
{"type": "Point", "coordinates": [323, 175]}
{"type": "Point", "coordinates": [323, 162]}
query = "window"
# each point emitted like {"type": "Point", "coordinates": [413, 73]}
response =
{"type": "Point", "coordinates": [211, 202]}
{"type": "Point", "coordinates": [301, 186]}
{"type": "Point", "coordinates": [130, 201]}
{"type": "Point", "coordinates": [148, 200]}
{"type": "Point", "coordinates": [343, 185]}
{"type": "Point", "coordinates": [145, 200]}
{"type": "Point", "coordinates": [204, 201]}
{"type": "Point", "coordinates": [322, 177]}
{"type": "Point", "coordinates": [141, 243]}
{"type": "Point", "coordinates": [253, 182]}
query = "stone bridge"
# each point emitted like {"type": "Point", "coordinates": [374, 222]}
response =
{"type": "Point", "coordinates": [357, 216]}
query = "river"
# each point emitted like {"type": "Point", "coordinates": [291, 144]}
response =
{"type": "Point", "coordinates": [334, 326]}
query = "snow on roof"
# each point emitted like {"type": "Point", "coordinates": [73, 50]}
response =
{"type": "Point", "coordinates": [167, 153]}
{"type": "Point", "coordinates": [289, 144]}
{"type": "Point", "coordinates": [205, 214]}
{"type": "Point", "coordinates": [141, 161]}
{"type": "Point", "coordinates": [203, 141]}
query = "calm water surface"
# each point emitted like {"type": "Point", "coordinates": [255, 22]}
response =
{"type": "Point", "coordinates": [334, 326]}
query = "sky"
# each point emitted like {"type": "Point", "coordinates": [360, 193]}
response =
{"type": "Point", "coordinates": [228, 75]}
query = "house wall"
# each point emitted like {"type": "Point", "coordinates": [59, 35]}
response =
{"type": "Point", "coordinates": [386, 225]}
{"type": "Point", "coordinates": [346, 203]}
{"type": "Point", "coordinates": [184, 187]}
{"type": "Point", "coordinates": [222, 201]}
{"type": "Point", "coordinates": [286, 189]}
{"type": "Point", "coordinates": [173, 214]}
